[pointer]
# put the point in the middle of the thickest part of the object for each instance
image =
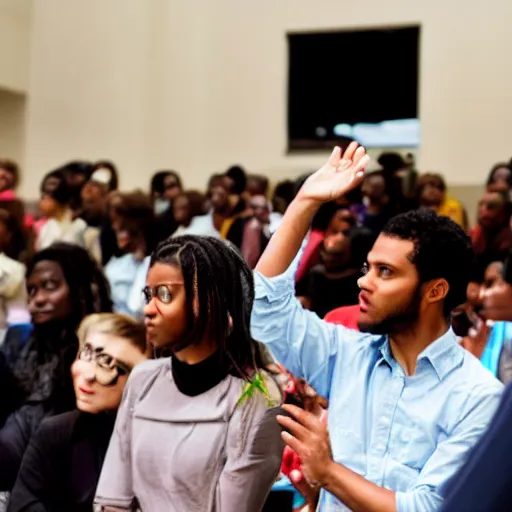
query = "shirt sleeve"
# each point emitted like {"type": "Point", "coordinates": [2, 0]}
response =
{"type": "Point", "coordinates": [306, 345]}
{"type": "Point", "coordinates": [115, 485]}
{"type": "Point", "coordinates": [426, 495]}
{"type": "Point", "coordinates": [254, 450]}
{"type": "Point", "coordinates": [12, 277]}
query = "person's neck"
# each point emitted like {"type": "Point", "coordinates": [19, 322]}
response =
{"type": "Point", "coordinates": [376, 206]}
{"type": "Point", "coordinates": [61, 213]}
{"type": "Point", "coordinates": [194, 354]}
{"type": "Point", "coordinates": [408, 345]}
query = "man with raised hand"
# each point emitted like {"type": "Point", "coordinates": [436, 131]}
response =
{"type": "Point", "coordinates": [406, 402]}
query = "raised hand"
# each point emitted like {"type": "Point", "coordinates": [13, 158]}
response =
{"type": "Point", "coordinates": [339, 175]}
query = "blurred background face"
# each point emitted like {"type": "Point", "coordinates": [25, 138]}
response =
{"type": "Point", "coordinates": [432, 194]}
{"type": "Point", "coordinates": [93, 196]}
{"type": "Point", "coordinates": [101, 371]}
{"type": "Point", "coordinates": [335, 251]}
{"type": "Point", "coordinates": [6, 179]}
{"type": "Point", "coordinates": [374, 187]}
{"type": "Point", "coordinates": [48, 293]}
{"type": "Point", "coordinates": [220, 199]}
{"type": "Point", "coordinates": [497, 301]}
{"type": "Point", "coordinates": [181, 210]}
{"type": "Point", "coordinates": [500, 179]}
{"type": "Point", "coordinates": [172, 187]}
{"type": "Point", "coordinates": [341, 222]}
{"type": "Point", "coordinates": [260, 209]}
{"type": "Point", "coordinates": [491, 210]}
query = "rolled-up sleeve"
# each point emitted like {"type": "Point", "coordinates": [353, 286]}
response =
{"type": "Point", "coordinates": [426, 495]}
{"type": "Point", "coordinates": [306, 345]}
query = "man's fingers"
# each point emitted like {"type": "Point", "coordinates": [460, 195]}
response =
{"type": "Point", "coordinates": [350, 151]}
{"type": "Point", "coordinates": [296, 429]}
{"type": "Point", "coordinates": [292, 442]}
{"type": "Point", "coordinates": [307, 419]}
{"type": "Point", "coordinates": [334, 159]}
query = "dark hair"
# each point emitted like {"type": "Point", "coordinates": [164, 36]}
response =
{"type": "Point", "coordinates": [391, 162]}
{"type": "Point", "coordinates": [114, 175]}
{"type": "Point", "coordinates": [239, 177]}
{"type": "Point", "coordinates": [195, 202]}
{"type": "Point", "coordinates": [507, 269]}
{"type": "Point", "coordinates": [284, 193]}
{"type": "Point", "coordinates": [77, 167]}
{"type": "Point", "coordinates": [429, 178]}
{"type": "Point", "coordinates": [361, 242]}
{"type": "Point", "coordinates": [325, 214]}
{"type": "Point", "coordinates": [217, 276]}
{"type": "Point", "coordinates": [138, 217]}
{"type": "Point", "coordinates": [58, 188]}
{"type": "Point", "coordinates": [157, 184]}
{"type": "Point", "coordinates": [442, 250]}
{"type": "Point", "coordinates": [89, 289]}
{"type": "Point", "coordinates": [495, 167]}
{"type": "Point", "coordinates": [260, 181]}
{"type": "Point", "coordinates": [12, 168]}
{"type": "Point", "coordinates": [18, 243]}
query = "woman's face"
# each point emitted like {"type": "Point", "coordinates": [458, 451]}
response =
{"type": "Point", "coordinates": [101, 370]}
{"type": "Point", "coordinates": [48, 293]}
{"type": "Point", "coordinates": [48, 206]}
{"type": "Point", "coordinates": [165, 309]}
{"type": "Point", "coordinates": [501, 176]}
{"type": "Point", "coordinates": [172, 187]}
{"type": "Point", "coordinates": [181, 210]}
{"type": "Point", "coordinates": [491, 210]}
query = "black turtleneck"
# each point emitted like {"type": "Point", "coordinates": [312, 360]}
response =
{"type": "Point", "coordinates": [194, 379]}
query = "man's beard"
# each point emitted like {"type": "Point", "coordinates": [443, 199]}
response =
{"type": "Point", "coordinates": [398, 321]}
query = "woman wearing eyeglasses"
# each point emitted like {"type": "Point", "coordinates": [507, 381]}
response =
{"type": "Point", "coordinates": [61, 467]}
{"type": "Point", "coordinates": [197, 430]}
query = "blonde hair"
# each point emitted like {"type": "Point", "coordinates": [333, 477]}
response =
{"type": "Point", "coordinates": [114, 324]}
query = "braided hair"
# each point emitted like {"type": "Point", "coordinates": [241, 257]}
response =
{"type": "Point", "coordinates": [219, 289]}
{"type": "Point", "coordinates": [89, 289]}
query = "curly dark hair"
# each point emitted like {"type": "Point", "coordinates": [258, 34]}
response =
{"type": "Point", "coordinates": [442, 250]}
{"type": "Point", "coordinates": [215, 273]}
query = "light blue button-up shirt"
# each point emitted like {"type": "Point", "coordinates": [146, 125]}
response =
{"type": "Point", "coordinates": [405, 433]}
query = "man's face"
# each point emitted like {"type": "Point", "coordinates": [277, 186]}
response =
{"type": "Point", "coordinates": [390, 296]}
{"type": "Point", "coordinates": [220, 199]}
{"type": "Point", "coordinates": [497, 301]}
{"type": "Point", "coordinates": [491, 210]}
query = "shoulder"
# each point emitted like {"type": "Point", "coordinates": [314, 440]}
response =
{"type": "Point", "coordinates": [147, 371]}
{"type": "Point", "coordinates": [58, 429]}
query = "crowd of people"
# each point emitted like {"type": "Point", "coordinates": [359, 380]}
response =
{"type": "Point", "coordinates": [336, 342]}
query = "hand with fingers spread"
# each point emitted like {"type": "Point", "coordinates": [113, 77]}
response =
{"type": "Point", "coordinates": [341, 173]}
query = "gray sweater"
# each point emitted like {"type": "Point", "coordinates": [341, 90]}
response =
{"type": "Point", "coordinates": [175, 453]}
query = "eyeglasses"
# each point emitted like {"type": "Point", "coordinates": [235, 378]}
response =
{"type": "Point", "coordinates": [108, 368]}
{"type": "Point", "coordinates": [161, 291]}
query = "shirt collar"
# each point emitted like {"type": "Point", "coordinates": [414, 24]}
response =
{"type": "Point", "coordinates": [444, 354]}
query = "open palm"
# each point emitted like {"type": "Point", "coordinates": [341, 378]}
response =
{"type": "Point", "coordinates": [339, 175]}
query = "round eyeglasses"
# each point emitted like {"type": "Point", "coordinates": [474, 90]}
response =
{"type": "Point", "coordinates": [108, 369]}
{"type": "Point", "coordinates": [162, 292]}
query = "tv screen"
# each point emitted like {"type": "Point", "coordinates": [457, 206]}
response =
{"type": "Point", "coordinates": [353, 84]}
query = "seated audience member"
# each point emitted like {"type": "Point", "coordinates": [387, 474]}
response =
{"type": "Point", "coordinates": [236, 181]}
{"type": "Point", "coordinates": [63, 285]}
{"type": "Point", "coordinates": [135, 237]}
{"type": "Point", "coordinates": [187, 208]}
{"type": "Point", "coordinates": [334, 282]}
{"type": "Point", "coordinates": [104, 171]}
{"type": "Point", "coordinates": [61, 226]}
{"type": "Point", "coordinates": [377, 201]}
{"type": "Point", "coordinates": [13, 294]}
{"type": "Point", "coordinates": [164, 186]}
{"type": "Point", "coordinates": [431, 193]}
{"type": "Point", "coordinates": [251, 233]}
{"type": "Point", "coordinates": [492, 237]}
{"type": "Point", "coordinates": [211, 223]}
{"type": "Point", "coordinates": [165, 221]}
{"type": "Point", "coordinates": [326, 214]}
{"type": "Point", "coordinates": [61, 466]}
{"type": "Point", "coordinates": [500, 178]}
{"type": "Point", "coordinates": [406, 401]}
{"type": "Point", "coordinates": [76, 173]}
{"type": "Point", "coordinates": [257, 185]}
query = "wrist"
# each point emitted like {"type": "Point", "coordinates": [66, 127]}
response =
{"type": "Point", "coordinates": [327, 475]}
{"type": "Point", "coordinates": [306, 203]}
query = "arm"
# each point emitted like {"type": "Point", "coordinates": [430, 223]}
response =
{"type": "Point", "coordinates": [253, 455]}
{"type": "Point", "coordinates": [37, 486]}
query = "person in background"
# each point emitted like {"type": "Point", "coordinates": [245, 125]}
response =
{"type": "Point", "coordinates": [165, 222]}
{"type": "Point", "coordinates": [500, 178]}
{"type": "Point", "coordinates": [492, 237]}
{"type": "Point", "coordinates": [187, 207]}
{"type": "Point", "coordinates": [205, 417]}
{"type": "Point", "coordinates": [62, 464]}
{"type": "Point", "coordinates": [61, 226]}
{"type": "Point", "coordinates": [157, 189]}
{"type": "Point", "coordinates": [431, 193]}
{"type": "Point", "coordinates": [235, 181]}
{"type": "Point", "coordinates": [104, 171]}
{"type": "Point", "coordinates": [334, 281]}
{"type": "Point", "coordinates": [257, 185]}
{"type": "Point", "coordinates": [135, 237]}
{"type": "Point", "coordinates": [394, 388]}
{"type": "Point", "coordinates": [13, 294]}
{"type": "Point", "coordinates": [63, 285]}
{"type": "Point", "coordinates": [76, 173]}
{"type": "Point", "coordinates": [378, 206]}
{"type": "Point", "coordinates": [251, 233]}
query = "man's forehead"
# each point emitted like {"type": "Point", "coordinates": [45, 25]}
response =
{"type": "Point", "coordinates": [391, 250]}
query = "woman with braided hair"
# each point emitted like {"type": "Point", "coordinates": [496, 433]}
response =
{"type": "Point", "coordinates": [63, 285]}
{"type": "Point", "coordinates": [196, 430]}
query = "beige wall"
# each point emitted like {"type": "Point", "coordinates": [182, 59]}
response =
{"type": "Point", "coordinates": [15, 17]}
{"type": "Point", "coordinates": [200, 85]}
{"type": "Point", "coordinates": [12, 116]}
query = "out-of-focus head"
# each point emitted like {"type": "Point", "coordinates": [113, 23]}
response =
{"type": "Point", "coordinates": [55, 193]}
{"type": "Point", "coordinates": [187, 205]}
{"type": "Point", "coordinates": [430, 190]}
{"type": "Point", "coordinates": [110, 346]}
{"type": "Point", "coordinates": [374, 187]}
{"type": "Point", "coordinates": [236, 180]}
{"type": "Point", "coordinates": [105, 172]}
{"type": "Point", "coordinates": [493, 210]}
{"type": "Point", "coordinates": [257, 185]}
{"type": "Point", "coordinates": [64, 284]}
{"type": "Point", "coordinates": [260, 208]}
{"type": "Point", "coordinates": [500, 177]}
{"type": "Point", "coordinates": [220, 198]}
{"type": "Point", "coordinates": [9, 174]}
